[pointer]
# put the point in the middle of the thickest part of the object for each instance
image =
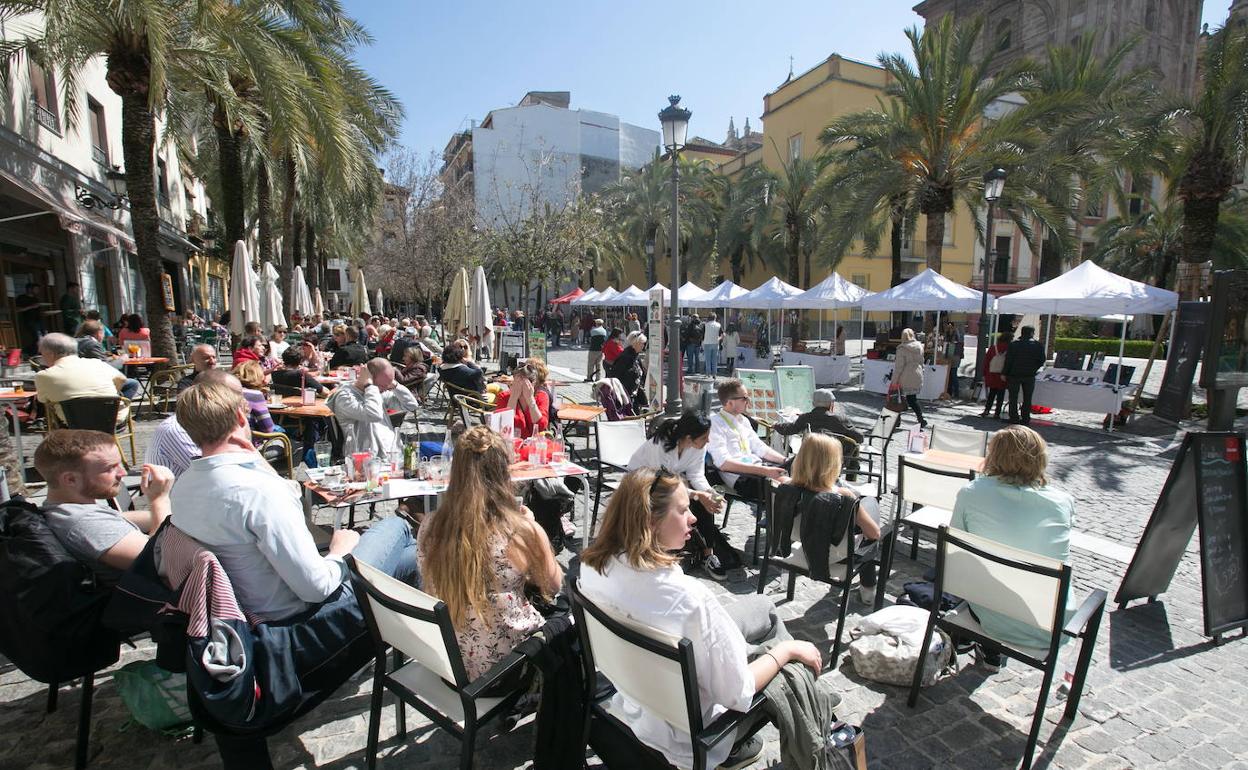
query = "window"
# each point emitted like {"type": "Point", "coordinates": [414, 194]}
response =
{"type": "Point", "coordinates": [1093, 208]}
{"type": "Point", "coordinates": [162, 181]}
{"type": "Point", "coordinates": [333, 280]}
{"type": "Point", "coordinates": [1004, 34]}
{"type": "Point", "coordinates": [949, 228]}
{"type": "Point", "coordinates": [861, 280]}
{"type": "Point", "coordinates": [43, 97]}
{"type": "Point", "coordinates": [99, 133]}
{"type": "Point", "coordinates": [795, 147]}
{"type": "Point", "coordinates": [1001, 260]}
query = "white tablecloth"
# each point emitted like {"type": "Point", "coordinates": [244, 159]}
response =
{"type": "Point", "coordinates": [829, 370]}
{"type": "Point", "coordinates": [876, 378]}
{"type": "Point", "coordinates": [1075, 396]}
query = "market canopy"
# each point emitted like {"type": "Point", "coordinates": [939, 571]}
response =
{"type": "Point", "coordinates": [689, 292]}
{"type": "Point", "coordinates": [927, 291]}
{"type": "Point", "coordinates": [667, 294]}
{"type": "Point", "coordinates": [773, 294]}
{"type": "Point", "coordinates": [588, 298]}
{"type": "Point", "coordinates": [575, 294]}
{"type": "Point", "coordinates": [605, 296]}
{"type": "Point", "coordinates": [830, 293]}
{"type": "Point", "coordinates": [1090, 290]}
{"type": "Point", "coordinates": [718, 296]}
{"type": "Point", "coordinates": [631, 297]}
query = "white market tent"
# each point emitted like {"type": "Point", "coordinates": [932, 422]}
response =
{"type": "Point", "coordinates": [1091, 290]}
{"type": "Point", "coordinates": [833, 292]}
{"type": "Point", "coordinates": [667, 294]}
{"type": "Point", "coordinates": [605, 297]}
{"type": "Point", "coordinates": [717, 297]}
{"type": "Point", "coordinates": [585, 299]}
{"type": "Point", "coordinates": [927, 291]}
{"type": "Point", "coordinates": [690, 292]}
{"type": "Point", "coordinates": [770, 296]}
{"type": "Point", "coordinates": [631, 297]}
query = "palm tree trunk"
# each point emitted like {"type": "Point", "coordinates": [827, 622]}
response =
{"type": "Point", "coordinates": [264, 212]}
{"type": "Point", "coordinates": [895, 237]}
{"type": "Point", "coordinates": [737, 264]}
{"type": "Point", "coordinates": [935, 233]}
{"type": "Point", "coordinates": [233, 188]}
{"type": "Point", "coordinates": [312, 259]}
{"type": "Point", "coordinates": [296, 240]}
{"type": "Point", "coordinates": [286, 267]}
{"type": "Point", "coordinates": [1200, 225]}
{"type": "Point", "coordinates": [12, 469]}
{"type": "Point", "coordinates": [138, 144]}
{"type": "Point", "coordinates": [794, 246]}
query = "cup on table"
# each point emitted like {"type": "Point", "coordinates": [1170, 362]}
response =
{"type": "Point", "coordinates": [18, 387]}
{"type": "Point", "coordinates": [275, 399]}
{"type": "Point", "coordinates": [558, 457]}
{"type": "Point", "coordinates": [323, 450]}
{"type": "Point", "coordinates": [359, 463]}
{"type": "Point", "coordinates": [309, 396]}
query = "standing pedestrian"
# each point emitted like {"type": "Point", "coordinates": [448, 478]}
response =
{"type": "Point", "coordinates": [710, 344]}
{"type": "Point", "coordinates": [908, 372]}
{"type": "Point", "coordinates": [597, 336]}
{"type": "Point", "coordinates": [1023, 359]}
{"type": "Point", "coordinates": [994, 381]}
{"type": "Point", "coordinates": [953, 352]}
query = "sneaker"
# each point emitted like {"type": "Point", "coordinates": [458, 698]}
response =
{"type": "Point", "coordinates": [866, 594]}
{"type": "Point", "coordinates": [991, 661]}
{"type": "Point", "coordinates": [744, 755]}
{"type": "Point", "coordinates": [714, 568]}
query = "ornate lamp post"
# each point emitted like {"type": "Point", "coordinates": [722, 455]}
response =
{"type": "Point", "coordinates": [116, 184]}
{"type": "Point", "coordinates": [994, 183]}
{"type": "Point", "coordinates": [675, 120]}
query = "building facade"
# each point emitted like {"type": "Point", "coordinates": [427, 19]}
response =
{"type": "Point", "coordinates": [56, 223]}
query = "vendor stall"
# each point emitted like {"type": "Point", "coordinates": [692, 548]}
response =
{"type": "Point", "coordinates": [1079, 390]}
{"type": "Point", "coordinates": [829, 369]}
{"type": "Point", "coordinates": [715, 298]}
{"type": "Point", "coordinates": [877, 375]}
{"type": "Point", "coordinates": [832, 293]}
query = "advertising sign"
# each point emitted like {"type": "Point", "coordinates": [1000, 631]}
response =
{"type": "Point", "coordinates": [654, 353]}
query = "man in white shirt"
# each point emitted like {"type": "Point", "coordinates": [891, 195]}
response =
{"type": "Point", "coordinates": [737, 451]}
{"type": "Point", "coordinates": [710, 344]}
{"type": "Point", "coordinates": [362, 410]}
{"type": "Point", "coordinates": [69, 376]}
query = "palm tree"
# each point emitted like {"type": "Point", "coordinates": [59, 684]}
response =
{"type": "Point", "coordinates": [793, 212]}
{"type": "Point", "coordinates": [1215, 150]}
{"type": "Point", "coordinates": [640, 204]}
{"type": "Point", "coordinates": [741, 221]}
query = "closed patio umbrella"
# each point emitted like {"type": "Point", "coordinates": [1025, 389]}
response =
{"type": "Point", "coordinates": [359, 295]}
{"type": "Point", "coordinates": [480, 319]}
{"type": "Point", "coordinates": [300, 297]}
{"type": "Point", "coordinates": [455, 316]}
{"type": "Point", "coordinates": [271, 312]}
{"type": "Point", "coordinates": [244, 291]}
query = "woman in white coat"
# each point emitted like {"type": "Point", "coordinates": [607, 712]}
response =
{"type": "Point", "coordinates": [908, 372]}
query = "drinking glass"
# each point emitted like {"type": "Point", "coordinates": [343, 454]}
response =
{"type": "Point", "coordinates": [323, 451]}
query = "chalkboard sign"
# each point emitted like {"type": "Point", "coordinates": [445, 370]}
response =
{"type": "Point", "coordinates": [1174, 398]}
{"type": "Point", "coordinates": [1207, 486]}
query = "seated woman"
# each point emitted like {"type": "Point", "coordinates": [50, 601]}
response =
{"type": "Point", "coordinates": [1013, 504]}
{"type": "Point", "coordinates": [414, 371]}
{"type": "Point", "coordinates": [627, 368]}
{"type": "Point", "coordinates": [480, 549]}
{"type": "Point", "coordinates": [256, 391]}
{"type": "Point", "coordinates": [679, 447]}
{"type": "Point", "coordinates": [250, 348]}
{"type": "Point", "coordinates": [816, 468]}
{"type": "Point", "coordinates": [460, 373]}
{"type": "Point", "coordinates": [631, 568]}
{"type": "Point", "coordinates": [131, 329]}
{"type": "Point", "coordinates": [532, 404]}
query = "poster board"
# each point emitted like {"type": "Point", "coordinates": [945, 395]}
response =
{"type": "Point", "coordinates": [1208, 471]}
{"type": "Point", "coordinates": [654, 351]}
{"type": "Point", "coordinates": [166, 285]}
{"type": "Point", "coordinates": [503, 423]}
{"type": "Point", "coordinates": [796, 387]}
{"type": "Point", "coordinates": [1226, 346]}
{"type": "Point", "coordinates": [763, 388]}
{"type": "Point", "coordinates": [537, 345]}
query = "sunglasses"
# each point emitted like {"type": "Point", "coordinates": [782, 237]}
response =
{"type": "Point", "coordinates": [739, 398]}
{"type": "Point", "coordinates": [663, 473]}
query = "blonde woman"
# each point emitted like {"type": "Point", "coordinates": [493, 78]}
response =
{"type": "Point", "coordinates": [632, 568]}
{"type": "Point", "coordinates": [1013, 504]}
{"type": "Point", "coordinates": [816, 469]}
{"type": "Point", "coordinates": [480, 549]}
{"type": "Point", "coordinates": [908, 372]}
{"type": "Point", "coordinates": [256, 391]}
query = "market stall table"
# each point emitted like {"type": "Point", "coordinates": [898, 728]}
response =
{"type": "Point", "coordinates": [1079, 390]}
{"type": "Point", "coordinates": [829, 370]}
{"type": "Point", "coordinates": [877, 376]}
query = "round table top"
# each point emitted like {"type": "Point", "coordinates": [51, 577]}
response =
{"type": "Point", "coordinates": [17, 396]}
{"type": "Point", "coordinates": [145, 361]}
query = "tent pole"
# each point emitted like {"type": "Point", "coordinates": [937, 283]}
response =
{"type": "Point", "coordinates": [1122, 344]}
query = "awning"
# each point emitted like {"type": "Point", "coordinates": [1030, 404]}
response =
{"type": "Point", "coordinates": [72, 217]}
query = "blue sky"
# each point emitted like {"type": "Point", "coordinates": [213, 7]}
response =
{"type": "Point", "coordinates": [449, 62]}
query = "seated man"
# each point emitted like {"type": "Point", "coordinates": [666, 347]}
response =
{"type": "Point", "coordinates": [362, 410]}
{"type": "Point", "coordinates": [736, 450]}
{"type": "Point", "coordinates": [69, 376]}
{"type": "Point", "coordinates": [292, 373]}
{"type": "Point", "coordinates": [821, 419]}
{"type": "Point", "coordinates": [90, 345]}
{"type": "Point", "coordinates": [350, 352]}
{"type": "Point", "coordinates": [203, 359]}
{"type": "Point", "coordinates": [252, 521]}
{"type": "Point", "coordinates": [83, 467]}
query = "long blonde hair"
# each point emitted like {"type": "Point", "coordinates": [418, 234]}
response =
{"type": "Point", "coordinates": [818, 463]}
{"type": "Point", "coordinates": [628, 529]}
{"type": "Point", "coordinates": [478, 506]}
{"type": "Point", "coordinates": [1017, 455]}
{"type": "Point", "coordinates": [251, 374]}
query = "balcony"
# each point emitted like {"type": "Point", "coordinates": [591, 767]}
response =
{"type": "Point", "coordinates": [46, 118]}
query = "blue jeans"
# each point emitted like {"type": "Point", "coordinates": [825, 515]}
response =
{"type": "Point", "coordinates": [692, 354]}
{"type": "Point", "coordinates": [710, 354]}
{"type": "Point", "coordinates": [130, 388]}
{"type": "Point", "coordinates": [390, 546]}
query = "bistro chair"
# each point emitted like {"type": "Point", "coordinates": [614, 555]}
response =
{"type": "Point", "coordinates": [845, 559]}
{"type": "Point", "coordinates": [417, 627]}
{"type": "Point", "coordinates": [966, 442]}
{"type": "Point", "coordinates": [96, 413]}
{"type": "Point", "coordinates": [164, 386]}
{"type": "Point", "coordinates": [655, 670]}
{"type": "Point", "coordinates": [730, 495]}
{"type": "Point", "coordinates": [473, 411]}
{"type": "Point", "coordinates": [451, 391]}
{"type": "Point", "coordinates": [1025, 587]}
{"type": "Point", "coordinates": [616, 442]}
{"type": "Point", "coordinates": [875, 445]}
{"type": "Point", "coordinates": [275, 448]}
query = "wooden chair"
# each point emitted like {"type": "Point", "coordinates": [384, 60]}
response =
{"type": "Point", "coordinates": [164, 385]}
{"type": "Point", "coordinates": [418, 627]}
{"type": "Point", "coordinates": [472, 411]}
{"type": "Point", "coordinates": [276, 447]}
{"type": "Point", "coordinates": [845, 560]}
{"type": "Point", "coordinates": [967, 442]}
{"type": "Point", "coordinates": [655, 670]}
{"type": "Point", "coordinates": [96, 413]}
{"type": "Point", "coordinates": [1024, 587]}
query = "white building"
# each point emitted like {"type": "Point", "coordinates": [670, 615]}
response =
{"type": "Point", "coordinates": [542, 151]}
{"type": "Point", "coordinates": [48, 168]}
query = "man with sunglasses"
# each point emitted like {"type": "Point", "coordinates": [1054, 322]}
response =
{"type": "Point", "coordinates": [735, 448]}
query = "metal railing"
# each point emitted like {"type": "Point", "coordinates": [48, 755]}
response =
{"type": "Point", "coordinates": [45, 117]}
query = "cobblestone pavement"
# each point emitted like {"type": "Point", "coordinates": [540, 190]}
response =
{"type": "Point", "coordinates": [1159, 693]}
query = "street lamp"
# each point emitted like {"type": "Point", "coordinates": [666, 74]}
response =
{"type": "Point", "coordinates": [675, 120]}
{"type": "Point", "coordinates": [994, 183]}
{"type": "Point", "coordinates": [116, 184]}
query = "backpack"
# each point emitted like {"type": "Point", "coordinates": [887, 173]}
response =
{"type": "Point", "coordinates": [49, 601]}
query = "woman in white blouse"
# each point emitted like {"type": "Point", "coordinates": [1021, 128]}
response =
{"type": "Point", "coordinates": [631, 569]}
{"type": "Point", "coordinates": [679, 447]}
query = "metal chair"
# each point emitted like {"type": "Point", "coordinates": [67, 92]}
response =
{"type": "Point", "coordinates": [1025, 587]}
{"type": "Point", "coordinates": [418, 626]}
{"type": "Point", "coordinates": [276, 446]}
{"type": "Point", "coordinates": [472, 411]}
{"type": "Point", "coordinates": [655, 670]}
{"type": "Point", "coordinates": [96, 413]}
{"type": "Point", "coordinates": [875, 446]}
{"type": "Point", "coordinates": [451, 391]}
{"type": "Point", "coordinates": [930, 491]}
{"type": "Point", "coordinates": [164, 385]}
{"type": "Point", "coordinates": [616, 443]}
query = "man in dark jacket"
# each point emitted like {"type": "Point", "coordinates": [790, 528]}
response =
{"type": "Point", "coordinates": [821, 418]}
{"type": "Point", "coordinates": [352, 353]}
{"type": "Point", "coordinates": [1023, 359]}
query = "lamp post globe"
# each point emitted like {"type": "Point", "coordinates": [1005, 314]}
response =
{"type": "Point", "coordinates": [675, 121]}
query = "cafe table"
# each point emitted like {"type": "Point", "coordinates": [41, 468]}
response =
{"type": "Point", "coordinates": [16, 400]}
{"type": "Point", "coordinates": [954, 460]}
{"type": "Point", "coordinates": [400, 488]}
{"type": "Point", "coordinates": [141, 368]}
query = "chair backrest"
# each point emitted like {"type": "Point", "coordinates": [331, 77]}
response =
{"type": "Point", "coordinates": [409, 620]}
{"type": "Point", "coordinates": [651, 668]}
{"type": "Point", "coordinates": [1021, 585]}
{"type": "Point", "coordinates": [886, 424]}
{"type": "Point", "coordinates": [91, 413]}
{"type": "Point", "coordinates": [918, 482]}
{"type": "Point", "coordinates": [472, 411]}
{"type": "Point", "coordinates": [617, 441]}
{"type": "Point", "coordinates": [967, 442]}
{"type": "Point", "coordinates": [803, 500]}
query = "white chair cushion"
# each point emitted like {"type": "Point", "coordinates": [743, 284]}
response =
{"type": "Point", "coordinates": [930, 516]}
{"type": "Point", "coordinates": [963, 619]}
{"type": "Point", "coordinates": [433, 690]}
